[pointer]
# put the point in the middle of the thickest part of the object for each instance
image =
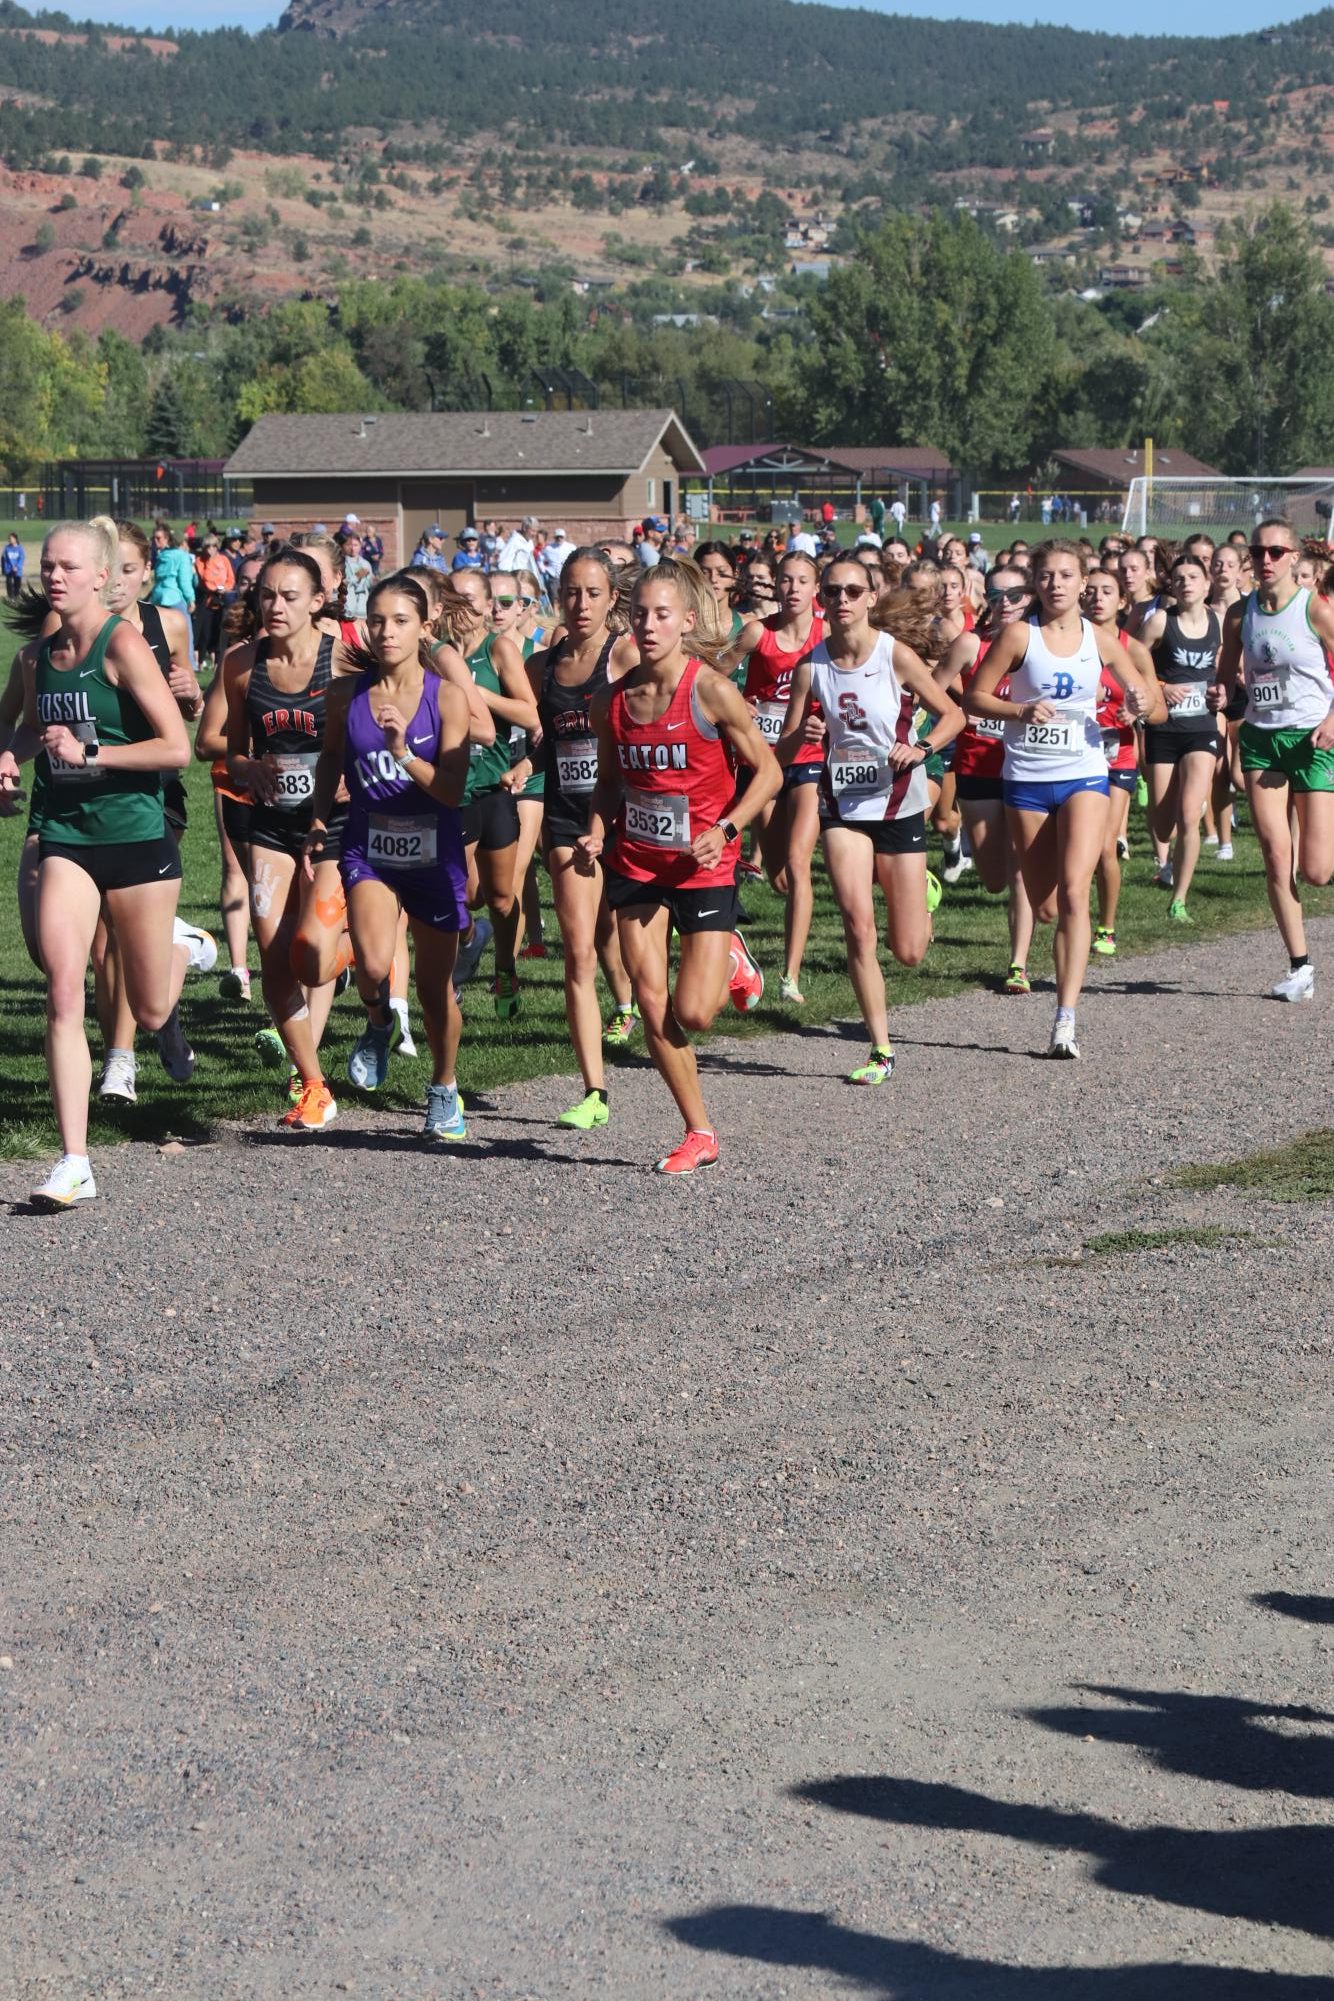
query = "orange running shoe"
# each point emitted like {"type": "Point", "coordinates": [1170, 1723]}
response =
{"type": "Point", "coordinates": [746, 985]}
{"type": "Point", "coordinates": [695, 1150]}
{"type": "Point", "coordinates": [312, 1111]}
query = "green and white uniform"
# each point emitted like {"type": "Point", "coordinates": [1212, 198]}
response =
{"type": "Point", "coordinates": [1289, 693]}
{"type": "Point", "coordinates": [487, 763]}
{"type": "Point", "coordinates": [85, 805]}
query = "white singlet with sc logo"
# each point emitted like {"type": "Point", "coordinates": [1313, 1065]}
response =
{"type": "Point", "coordinates": [1069, 744]}
{"type": "Point", "coordinates": [1288, 684]}
{"type": "Point", "coordinates": [866, 714]}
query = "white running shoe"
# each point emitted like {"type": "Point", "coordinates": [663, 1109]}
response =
{"type": "Point", "coordinates": [953, 862]}
{"type": "Point", "coordinates": [1163, 876]}
{"type": "Point", "coordinates": [406, 1045]}
{"type": "Point", "coordinates": [118, 1076]}
{"type": "Point", "coordinates": [1210, 841]}
{"type": "Point", "coordinates": [1298, 985]}
{"type": "Point", "coordinates": [69, 1181]}
{"type": "Point", "coordinates": [1224, 852]}
{"type": "Point", "coordinates": [1063, 1040]}
{"type": "Point", "coordinates": [202, 948]}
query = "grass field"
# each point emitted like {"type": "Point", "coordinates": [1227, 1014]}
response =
{"type": "Point", "coordinates": [969, 950]}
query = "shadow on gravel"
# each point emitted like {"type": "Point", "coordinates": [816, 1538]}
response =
{"type": "Point", "coordinates": [1295, 1605]}
{"type": "Point", "coordinates": [1214, 1737]}
{"type": "Point", "coordinates": [1264, 1876]}
{"type": "Point", "coordinates": [893, 1969]}
{"type": "Point", "coordinates": [352, 1139]}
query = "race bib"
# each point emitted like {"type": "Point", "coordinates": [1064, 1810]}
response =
{"type": "Point", "coordinates": [70, 773]}
{"type": "Point", "coordinates": [863, 772]}
{"type": "Point", "coordinates": [1268, 691]}
{"type": "Point", "coordinates": [295, 779]}
{"type": "Point", "coordinates": [769, 720]}
{"type": "Point", "coordinates": [394, 843]}
{"type": "Point", "coordinates": [989, 726]}
{"type": "Point", "coordinates": [1193, 704]}
{"type": "Point", "coordinates": [662, 819]}
{"type": "Point", "coordinates": [1062, 738]}
{"type": "Point", "coordinates": [577, 765]}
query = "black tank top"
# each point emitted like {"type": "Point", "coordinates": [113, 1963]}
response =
{"type": "Point", "coordinates": [288, 725]}
{"type": "Point", "coordinates": [1177, 658]}
{"type": "Point", "coordinates": [569, 746]}
{"type": "Point", "coordinates": [173, 786]}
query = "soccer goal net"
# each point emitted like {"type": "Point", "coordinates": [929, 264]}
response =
{"type": "Point", "coordinates": [1176, 508]}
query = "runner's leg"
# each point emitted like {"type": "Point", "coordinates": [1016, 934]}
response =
{"type": "Point", "coordinates": [644, 935]}
{"type": "Point", "coordinates": [1267, 794]}
{"type": "Point", "coordinates": [67, 912]}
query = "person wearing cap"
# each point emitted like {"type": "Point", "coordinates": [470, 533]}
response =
{"type": "Point", "coordinates": [868, 539]}
{"type": "Point", "coordinates": [468, 555]}
{"type": "Point", "coordinates": [518, 553]}
{"type": "Point", "coordinates": [428, 554]}
{"type": "Point", "coordinates": [552, 560]}
{"type": "Point", "coordinates": [977, 553]}
{"type": "Point", "coordinates": [372, 548]}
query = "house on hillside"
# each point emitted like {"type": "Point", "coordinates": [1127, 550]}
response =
{"type": "Point", "coordinates": [597, 472]}
{"type": "Point", "coordinates": [1039, 144]}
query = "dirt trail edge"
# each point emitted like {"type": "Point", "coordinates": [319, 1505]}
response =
{"type": "Point", "coordinates": [506, 1574]}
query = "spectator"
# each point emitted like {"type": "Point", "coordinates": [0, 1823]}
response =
{"type": "Point", "coordinates": [1014, 509]}
{"type": "Point", "coordinates": [428, 552]}
{"type": "Point", "coordinates": [468, 555]}
{"type": "Point", "coordinates": [372, 548]}
{"type": "Point", "coordinates": [11, 562]}
{"type": "Point", "coordinates": [827, 515]}
{"type": "Point", "coordinates": [173, 572]}
{"type": "Point", "coordinates": [800, 542]}
{"type": "Point", "coordinates": [977, 553]}
{"type": "Point", "coordinates": [490, 544]}
{"type": "Point", "coordinates": [216, 580]}
{"type": "Point", "coordinates": [648, 546]}
{"type": "Point", "coordinates": [898, 514]}
{"type": "Point", "coordinates": [553, 560]}
{"type": "Point", "coordinates": [933, 517]}
{"type": "Point", "coordinates": [357, 573]}
{"type": "Point", "coordinates": [876, 510]}
{"type": "Point", "coordinates": [517, 551]}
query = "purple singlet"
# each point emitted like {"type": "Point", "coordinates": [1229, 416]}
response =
{"type": "Point", "coordinates": [396, 833]}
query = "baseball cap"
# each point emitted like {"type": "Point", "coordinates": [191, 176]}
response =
{"type": "Point", "coordinates": [467, 535]}
{"type": "Point", "coordinates": [869, 541]}
{"type": "Point", "coordinates": [267, 528]}
{"type": "Point", "coordinates": [352, 521]}
{"type": "Point", "coordinates": [435, 529]}
{"type": "Point", "coordinates": [974, 537]}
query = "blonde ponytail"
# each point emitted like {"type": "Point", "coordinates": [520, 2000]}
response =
{"type": "Point", "coordinates": [103, 536]}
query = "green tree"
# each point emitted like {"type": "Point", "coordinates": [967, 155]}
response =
{"type": "Point", "coordinates": [931, 335]}
{"type": "Point", "coordinates": [1254, 371]}
{"type": "Point", "coordinates": [167, 433]}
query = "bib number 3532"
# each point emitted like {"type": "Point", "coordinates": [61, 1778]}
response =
{"type": "Point", "coordinates": [662, 819]}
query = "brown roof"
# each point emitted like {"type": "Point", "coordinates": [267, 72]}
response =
{"type": "Point", "coordinates": [454, 442]}
{"type": "Point", "coordinates": [909, 459]}
{"type": "Point", "coordinates": [1121, 465]}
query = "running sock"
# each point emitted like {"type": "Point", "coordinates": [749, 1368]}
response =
{"type": "Point", "coordinates": [1297, 964]}
{"type": "Point", "coordinates": [598, 1093]}
{"type": "Point", "coordinates": [127, 1053]}
{"type": "Point", "coordinates": [1065, 1014]}
{"type": "Point", "coordinates": [79, 1160]}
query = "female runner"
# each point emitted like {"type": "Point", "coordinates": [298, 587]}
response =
{"type": "Point", "coordinates": [1226, 588]}
{"type": "Point", "coordinates": [231, 807]}
{"type": "Point", "coordinates": [1181, 752]}
{"type": "Point", "coordinates": [277, 701]}
{"type": "Point", "coordinates": [667, 736]}
{"type": "Point", "coordinates": [490, 815]}
{"type": "Point", "coordinates": [773, 648]}
{"type": "Point", "coordinates": [168, 634]}
{"type": "Point", "coordinates": [516, 613]}
{"type": "Point", "coordinates": [1120, 744]}
{"type": "Point", "coordinates": [1055, 773]}
{"type": "Point", "coordinates": [399, 737]}
{"type": "Point", "coordinates": [102, 720]}
{"type": "Point", "coordinates": [979, 764]}
{"type": "Point", "coordinates": [566, 680]}
{"type": "Point", "coordinates": [865, 679]}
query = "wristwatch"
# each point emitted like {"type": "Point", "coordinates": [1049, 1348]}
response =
{"type": "Point", "coordinates": [730, 833]}
{"type": "Point", "coordinates": [90, 751]}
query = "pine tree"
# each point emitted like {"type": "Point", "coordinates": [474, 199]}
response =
{"type": "Point", "coordinates": [168, 432]}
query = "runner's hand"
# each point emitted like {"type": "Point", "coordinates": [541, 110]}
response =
{"type": "Point", "coordinates": [905, 755]}
{"type": "Point", "coordinates": [261, 779]}
{"type": "Point", "coordinates": [1137, 701]}
{"type": "Point", "coordinates": [1216, 697]}
{"type": "Point", "coordinates": [587, 851]}
{"type": "Point", "coordinates": [517, 776]}
{"type": "Point", "coordinates": [815, 730]}
{"type": "Point", "coordinates": [1173, 693]}
{"type": "Point", "coordinates": [1038, 712]}
{"type": "Point", "coordinates": [59, 742]}
{"type": "Point", "coordinates": [183, 685]}
{"type": "Point", "coordinates": [707, 848]}
{"type": "Point", "coordinates": [394, 724]}
{"type": "Point", "coordinates": [1323, 737]}
{"type": "Point", "coordinates": [312, 850]}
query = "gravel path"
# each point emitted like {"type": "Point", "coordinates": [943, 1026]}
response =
{"type": "Point", "coordinates": [511, 1575]}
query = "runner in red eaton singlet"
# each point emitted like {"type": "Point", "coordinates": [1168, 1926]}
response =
{"type": "Point", "coordinates": [665, 789]}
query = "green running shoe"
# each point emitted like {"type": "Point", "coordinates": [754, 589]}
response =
{"type": "Point", "coordinates": [1017, 980]}
{"type": "Point", "coordinates": [591, 1110]}
{"type": "Point", "coordinates": [444, 1114]}
{"type": "Point", "coordinates": [1104, 942]}
{"type": "Point", "coordinates": [271, 1049]}
{"type": "Point", "coordinates": [1177, 912]}
{"type": "Point", "coordinates": [877, 1069]}
{"type": "Point", "coordinates": [934, 892]}
{"type": "Point", "coordinates": [620, 1027]}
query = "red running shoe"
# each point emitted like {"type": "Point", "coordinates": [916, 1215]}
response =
{"type": "Point", "coordinates": [695, 1150]}
{"type": "Point", "coordinates": [747, 982]}
{"type": "Point", "coordinates": [537, 951]}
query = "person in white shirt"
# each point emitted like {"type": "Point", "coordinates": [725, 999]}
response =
{"type": "Point", "coordinates": [935, 517]}
{"type": "Point", "coordinates": [649, 548]}
{"type": "Point", "coordinates": [898, 514]}
{"type": "Point", "coordinates": [517, 553]}
{"type": "Point", "coordinates": [803, 543]}
{"type": "Point", "coordinates": [554, 557]}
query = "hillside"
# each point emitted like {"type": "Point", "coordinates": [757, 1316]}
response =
{"type": "Point", "coordinates": [593, 146]}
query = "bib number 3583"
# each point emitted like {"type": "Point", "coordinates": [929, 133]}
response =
{"type": "Point", "coordinates": [662, 819]}
{"type": "Point", "coordinates": [294, 779]}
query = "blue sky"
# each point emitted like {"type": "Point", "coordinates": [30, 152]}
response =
{"type": "Point", "coordinates": [1127, 16]}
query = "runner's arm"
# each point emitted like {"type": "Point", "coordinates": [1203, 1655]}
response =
{"type": "Point", "coordinates": [724, 705]}
{"type": "Point", "coordinates": [514, 703]}
{"type": "Point", "coordinates": [450, 665]}
{"type": "Point", "coordinates": [1142, 661]}
{"type": "Point", "coordinates": [1321, 615]}
{"type": "Point", "coordinates": [799, 713]}
{"type": "Point", "coordinates": [1229, 658]}
{"type": "Point", "coordinates": [921, 681]}
{"type": "Point", "coordinates": [1003, 657]}
{"type": "Point", "coordinates": [211, 736]}
{"type": "Point", "coordinates": [1116, 659]}
{"type": "Point", "coordinates": [20, 742]}
{"type": "Point", "coordinates": [742, 646]}
{"type": "Point", "coordinates": [136, 671]}
{"type": "Point", "coordinates": [182, 680]}
{"type": "Point", "coordinates": [246, 772]}
{"type": "Point", "coordinates": [956, 661]}
{"type": "Point", "coordinates": [329, 767]}
{"type": "Point", "coordinates": [444, 776]}
{"type": "Point", "coordinates": [606, 793]}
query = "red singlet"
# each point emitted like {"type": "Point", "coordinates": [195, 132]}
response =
{"type": "Point", "coordinates": [979, 748]}
{"type": "Point", "coordinates": [769, 672]}
{"type": "Point", "coordinates": [678, 782]}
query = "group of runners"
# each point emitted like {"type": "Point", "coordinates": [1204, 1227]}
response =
{"type": "Point", "coordinates": [383, 785]}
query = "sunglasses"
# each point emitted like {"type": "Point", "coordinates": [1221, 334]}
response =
{"type": "Point", "coordinates": [505, 603]}
{"type": "Point", "coordinates": [527, 602]}
{"type": "Point", "coordinates": [1259, 550]}
{"type": "Point", "coordinates": [1008, 594]}
{"type": "Point", "coordinates": [853, 591]}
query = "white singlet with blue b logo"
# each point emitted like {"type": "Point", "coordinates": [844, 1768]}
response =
{"type": "Point", "coordinates": [1070, 744]}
